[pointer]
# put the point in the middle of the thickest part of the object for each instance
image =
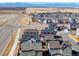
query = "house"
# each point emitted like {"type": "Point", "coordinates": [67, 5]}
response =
{"type": "Point", "coordinates": [49, 38]}
{"type": "Point", "coordinates": [32, 34]}
{"type": "Point", "coordinates": [51, 29]}
{"type": "Point", "coordinates": [73, 24]}
{"type": "Point", "coordinates": [54, 48]}
{"type": "Point", "coordinates": [31, 49]}
{"type": "Point", "coordinates": [30, 43]}
{"type": "Point", "coordinates": [47, 31]}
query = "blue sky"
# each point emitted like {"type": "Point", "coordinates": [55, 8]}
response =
{"type": "Point", "coordinates": [39, 4]}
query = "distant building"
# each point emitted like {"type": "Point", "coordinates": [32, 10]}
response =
{"type": "Point", "coordinates": [48, 31]}
{"type": "Point", "coordinates": [73, 24]}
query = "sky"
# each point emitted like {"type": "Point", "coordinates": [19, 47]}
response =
{"type": "Point", "coordinates": [40, 4]}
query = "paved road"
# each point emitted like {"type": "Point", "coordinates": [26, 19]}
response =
{"type": "Point", "coordinates": [7, 30]}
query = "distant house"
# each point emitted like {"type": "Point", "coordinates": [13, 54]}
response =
{"type": "Point", "coordinates": [54, 48]}
{"type": "Point", "coordinates": [50, 30]}
{"type": "Point", "coordinates": [52, 26]}
{"type": "Point", "coordinates": [47, 32]}
{"type": "Point", "coordinates": [73, 24]}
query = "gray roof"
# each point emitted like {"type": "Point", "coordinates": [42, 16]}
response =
{"type": "Point", "coordinates": [49, 37]}
{"type": "Point", "coordinates": [26, 46]}
{"type": "Point", "coordinates": [54, 44]}
{"type": "Point", "coordinates": [28, 37]}
{"type": "Point", "coordinates": [38, 46]}
{"type": "Point", "coordinates": [30, 33]}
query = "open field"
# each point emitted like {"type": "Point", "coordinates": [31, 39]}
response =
{"type": "Point", "coordinates": [40, 10]}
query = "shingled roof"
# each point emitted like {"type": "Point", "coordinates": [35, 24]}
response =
{"type": "Point", "coordinates": [26, 46]}
{"type": "Point", "coordinates": [54, 44]}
